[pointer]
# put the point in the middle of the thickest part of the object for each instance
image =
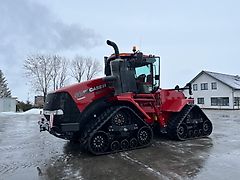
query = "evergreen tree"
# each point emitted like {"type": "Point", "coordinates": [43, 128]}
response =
{"type": "Point", "coordinates": [4, 90]}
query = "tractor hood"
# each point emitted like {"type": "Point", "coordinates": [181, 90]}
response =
{"type": "Point", "coordinates": [86, 92]}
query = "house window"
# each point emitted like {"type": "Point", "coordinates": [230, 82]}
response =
{"type": "Point", "coordinates": [214, 101]}
{"type": "Point", "coordinates": [200, 100]}
{"type": "Point", "coordinates": [195, 87]}
{"type": "Point", "coordinates": [204, 86]}
{"type": "Point", "coordinates": [214, 85]}
{"type": "Point", "coordinates": [236, 101]}
{"type": "Point", "coordinates": [220, 101]}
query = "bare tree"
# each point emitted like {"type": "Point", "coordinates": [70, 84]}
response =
{"type": "Point", "coordinates": [84, 68]}
{"type": "Point", "coordinates": [78, 67]}
{"type": "Point", "coordinates": [63, 73]}
{"type": "Point", "coordinates": [93, 67]}
{"type": "Point", "coordinates": [59, 73]}
{"type": "Point", "coordinates": [39, 69]}
{"type": "Point", "coordinates": [50, 71]}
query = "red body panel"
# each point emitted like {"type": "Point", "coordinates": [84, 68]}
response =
{"type": "Point", "coordinates": [173, 101]}
{"type": "Point", "coordinates": [129, 97]}
{"type": "Point", "coordinates": [154, 107]}
{"type": "Point", "coordinates": [86, 92]}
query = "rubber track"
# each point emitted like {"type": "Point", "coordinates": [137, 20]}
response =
{"type": "Point", "coordinates": [102, 119]}
{"type": "Point", "coordinates": [94, 123]}
{"type": "Point", "coordinates": [177, 120]}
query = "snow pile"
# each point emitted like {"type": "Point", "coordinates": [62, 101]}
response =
{"type": "Point", "coordinates": [7, 114]}
{"type": "Point", "coordinates": [31, 111]}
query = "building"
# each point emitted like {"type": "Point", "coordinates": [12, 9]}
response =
{"type": "Point", "coordinates": [8, 104]}
{"type": "Point", "coordinates": [38, 101]}
{"type": "Point", "coordinates": [216, 91]}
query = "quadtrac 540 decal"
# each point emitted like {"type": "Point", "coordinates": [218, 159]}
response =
{"type": "Point", "coordinates": [80, 95]}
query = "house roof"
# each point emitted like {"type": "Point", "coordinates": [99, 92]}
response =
{"type": "Point", "coordinates": [232, 81]}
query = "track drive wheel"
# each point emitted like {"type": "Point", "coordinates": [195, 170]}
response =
{"type": "Point", "coordinates": [120, 118]}
{"type": "Point", "coordinates": [145, 135]}
{"type": "Point", "coordinates": [98, 142]}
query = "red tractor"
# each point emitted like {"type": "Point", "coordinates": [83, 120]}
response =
{"type": "Point", "coordinates": [121, 111]}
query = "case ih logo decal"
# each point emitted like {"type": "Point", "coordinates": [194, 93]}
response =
{"type": "Point", "coordinates": [79, 95]}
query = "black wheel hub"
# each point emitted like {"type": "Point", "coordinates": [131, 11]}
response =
{"type": "Point", "coordinates": [190, 133]}
{"type": "Point", "coordinates": [144, 135]}
{"type": "Point", "coordinates": [119, 119]}
{"type": "Point", "coordinates": [182, 131]}
{"type": "Point", "coordinates": [133, 143]}
{"type": "Point", "coordinates": [195, 133]}
{"type": "Point", "coordinates": [99, 142]}
{"type": "Point", "coordinates": [115, 145]}
{"type": "Point", "coordinates": [207, 127]}
{"type": "Point", "coordinates": [124, 144]}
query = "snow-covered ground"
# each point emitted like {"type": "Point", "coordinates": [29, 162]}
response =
{"type": "Point", "coordinates": [31, 111]}
{"type": "Point", "coordinates": [25, 153]}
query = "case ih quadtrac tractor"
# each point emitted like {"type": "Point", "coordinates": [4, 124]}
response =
{"type": "Point", "coordinates": [121, 111]}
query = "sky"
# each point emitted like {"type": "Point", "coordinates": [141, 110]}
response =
{"type": "Point", "coordinates": [190, 36]}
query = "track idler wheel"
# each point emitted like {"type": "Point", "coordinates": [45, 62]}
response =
{"type": "Point", "coordinates": [207, 127]}
{"type": "Point", "coordinates": [182, 131]}
{"type": "Point", "coordinates": [98, 143]}
{"type": "Point", "coordinates": [145, 135]}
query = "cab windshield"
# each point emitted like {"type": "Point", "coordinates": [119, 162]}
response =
{"type": "Point", "coordinates": [148, 74]}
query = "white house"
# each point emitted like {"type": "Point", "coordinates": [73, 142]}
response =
{"type": "Point", "coordinates": [216, 90]}
{"type": "Point", "coordinates": [8, 104]}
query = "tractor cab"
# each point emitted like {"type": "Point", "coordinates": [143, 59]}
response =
{"type": "Point", "coordinates": [147, 74]}
{"type": "Point", "coordinates": [132, 72]}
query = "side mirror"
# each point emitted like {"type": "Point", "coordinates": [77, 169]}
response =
{"type": "Point", "coordinates": [157, 77]}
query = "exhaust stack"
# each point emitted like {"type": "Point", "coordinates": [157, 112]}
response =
{"type": "Point", "coordinates": [110, 43]}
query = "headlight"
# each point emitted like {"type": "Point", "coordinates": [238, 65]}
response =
{"type": "Point", "coordinates": [55, 112]}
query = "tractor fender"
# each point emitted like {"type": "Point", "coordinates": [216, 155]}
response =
{"type": "Point", "coordinates": [127, 99]}
{"type": "Point", "coordinates": [173, 101]}
{"type": "Point", "coordinates": [94, 108]}
{"type": "Point", "coordinates": [175, 105]}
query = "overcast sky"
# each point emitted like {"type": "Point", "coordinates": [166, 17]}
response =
{"type": "Point", "coordinates": [190, 36]}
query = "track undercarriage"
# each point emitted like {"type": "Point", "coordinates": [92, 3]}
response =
{"type": "Point", "coordinates": [190, 123]}
{"type": "Point", "coordinates": [117, 129]}
{"type": "Point", "coordinates": [121, 129]}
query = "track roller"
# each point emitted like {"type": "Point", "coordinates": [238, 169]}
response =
{"type": "Point", "coordinates": [115, 145]}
